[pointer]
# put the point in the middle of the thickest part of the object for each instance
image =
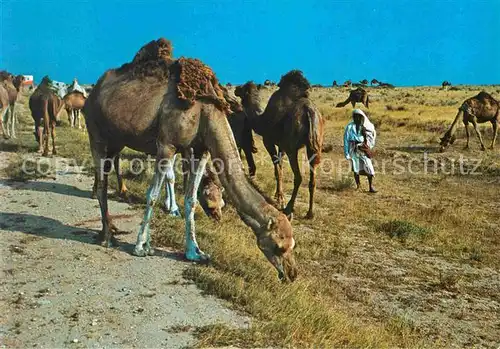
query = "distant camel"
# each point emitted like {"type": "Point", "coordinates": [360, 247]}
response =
{"type": "Point", "coordinates": [335, 83]}
{"type": "Point", "coordinates": [385, 84]}
{"type": "Point", "coordinates": [267, 83]}
{"type": "Point", "coordinates": [358, 95]}
{"type": "Point", "coordinates": [289, 122]}
{"type": "Point", "coordinates": [364, 82]}
{"type": "Point", "coordinates": [45, 105]}
{"type": "Point", "coordinates": [182, 108]}
{"type": "Point", "coordinates": [73, 103]}
{"type": "Point", "coordinates": [347, 83]}
{"type": "Point", "coordinates": [477, 109]}
{"type": "Point", "coordinates": [12, 85]}
{"type": "Point", "coordinates": [445, 84]}
{"type": "Point", "coordinates": [374, 82]}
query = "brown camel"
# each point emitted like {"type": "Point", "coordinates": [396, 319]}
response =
{"type": "Point", "coordinates": [73, 103]}
{"type": "Point", "coordinates": [289, 122]}
{"type": "Point", "coordinates": [12, 85]}
{"type": "Point", "coordinates": [334, 84]}
{"type": "Point", "coordinates": [374, 82]}
{"type": "Point", "coordinates": [364, 82]}
{"type": "Point", "coordinates": [242, 130]}
{"type": "Point", "coordinates": [385, 84]}
{"type": "Point", "coordinates": [445, 84]}
{"type": "Point", "coordinates": [45, 105]}
{"type": "Point", "coordinates": [347, 83]}
{"type": "Point", "coordinates": [477, 109]}
{"type": "Point", "coordinates": [358, 95]}
{"type": "Point", "coordinates": [181, 103]}
{"type": "Point", "coordinates": [4, 107]}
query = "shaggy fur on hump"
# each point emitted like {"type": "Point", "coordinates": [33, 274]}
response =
{"type": "Point", "coordinates": [153, 59]}
{"type": "Point", "coordinates": [196, 81]}
{"type": "Point", "coordinates": [295, 78]}
{"type": "Point", "coordinates": [233, 102]}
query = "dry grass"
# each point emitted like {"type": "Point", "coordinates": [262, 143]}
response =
{"type": "Point", "coordinates": [415, 265]}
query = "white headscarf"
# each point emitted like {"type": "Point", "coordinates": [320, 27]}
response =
{"type": "Point", "coordinates": [371, 134]}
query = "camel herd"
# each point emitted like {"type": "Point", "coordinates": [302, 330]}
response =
{"type": "Point", "coordinates": [170, 107]}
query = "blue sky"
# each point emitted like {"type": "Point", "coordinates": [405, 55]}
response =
{"type": "Point", "coordinates": [407, 42]}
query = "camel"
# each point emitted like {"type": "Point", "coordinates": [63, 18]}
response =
{"type": "Point", "coordinates": [12, 85]}
{"type": "Point", "coordinates": [289, 122]}
{"type": "Point", "coordinates": [364, 82]}
{"type": "Point", "coordinates": [334, 84]}
{"type": "Point", "coordinates": [45, 105]}
{"type": "Point", "coordinates": [73, 103]}
{"type": "Point", "coordinates": [477, 109]}
{"type": "Point", "coordinates": [358, 95]}
{"type": "Point", "coordinates": [347, 83]}
{"type": "Point", "coordinates": [445, 84]}
{"type": "Point", "coordinates": [242, 130]}
{"type": "Point", "coordinates": [374, 82]}
{"type": "Point", "coordinates": [181, 103]}
{"type": "Point", "coordinates": [385, 84]}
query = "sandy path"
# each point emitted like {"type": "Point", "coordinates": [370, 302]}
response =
{"type": "Point", "coordinates": [60, 289]}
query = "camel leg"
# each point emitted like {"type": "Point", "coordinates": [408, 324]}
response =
{"type": "Point", "coordinates": [494, 124]}
{"type": "Point", "coordinates": [353, 103]}
{"type": "Point", "coordinates": [170, 202]}
{"type": "Point", "coordinates": [193, 252]}
{"type": "Point", "coordinates": [3, 122]}
{"type": "Point", "coordinates": [103, 167]}
{"type": "Point", "coordinates": [13, 120]}
{"type": "Point", "coordinates": [278, 172]}
{"type": "Point", "coordinates": [39, 136]}
{"type": "Point", "coordinates": [250, 161]}
{"type": "Point", "coordinates": [312, 182]}
{"type": "Point", "coordinates": [71, 117]}
{"type": "Point", "coordinates": [474, 123]}
{"type": "Point", "coordinates": [79, 119]}
{"type": "Point", "coordinates": [165, 155]}
{"type": "Point", "coordinates": [467, 134]}
{"type": "Point", "coordinates": [297, 180]}
{"type": "Point", "coordinates": [122, 189]}
{"type": "Point", "coordinates": [46, 133]}
{"type": "Point", "coordinates": [53, 134]}
{"type": "Point", "coordinates": [94, 186]}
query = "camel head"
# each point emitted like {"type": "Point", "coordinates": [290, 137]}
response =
{"type": "Point", "coordinates": [275, 240]}
{"type": "Point", "coordinates": [250, 98]}
{"type": "Point", "coordinates": [447, 140]}
{"type": "Point", "coordinates": [211, 199]}
{"type": "Point", "coordinates": [295, 83]}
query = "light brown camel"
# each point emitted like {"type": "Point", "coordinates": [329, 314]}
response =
{"type": "Point", "coordinates": [12, 85]}
{"type": "Point", "coordinates": [289, 122]}
{"type": "Point", "coordinates": [4, 107]}
{"type": "Point", "coordinates": [477, 109]}
{"type": "Point", "coordinates": [45, 105]}
{"type": "Point", "coordinates": [358, 95]}
{"type": "Point", "coordinates": [73, 103]}
{"type": "Point", "coordinates": [183, 105]}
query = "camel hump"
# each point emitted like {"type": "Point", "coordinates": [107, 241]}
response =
{"type": "Point", "coordinates": [160, 49]}
{"type": "Point", "coordinates": [295, 78]}
{"type": "Point", "coordinates": [196, 81]}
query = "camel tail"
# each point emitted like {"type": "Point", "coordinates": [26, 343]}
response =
{"type": "Point", "coordinates": [315, 141]}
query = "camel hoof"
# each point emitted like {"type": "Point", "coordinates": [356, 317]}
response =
{"type": "Point", "coordinates": [139, 252]}
{"type": "Point", "coordinates": [309, 215]}
{"type": "Point", "coordinates": [45, 154]}
{"type": "Point", "coordinates": [108, 243]}
{"type": "Point", "coordinates": [197, 256]}
{"type": "Point", "coordinates": [175, 213]}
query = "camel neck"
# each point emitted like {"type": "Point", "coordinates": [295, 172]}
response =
{"type": "Point", "coordinates": [227, 162]}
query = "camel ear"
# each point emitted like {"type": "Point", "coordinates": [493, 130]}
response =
{"type": "Point", "coordinates": [290, 217]}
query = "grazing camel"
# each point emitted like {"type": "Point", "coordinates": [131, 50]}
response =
{"type": "Point", "coordinates": [477, 109]}
{"type": "Point", "coordinates": [289, 122]}
{"type": "Point", "coordinates": [12, 85]}
{"type": "Point", "coordinates": [4, 108]}
{"type": "Point", "coordinates": [181, 103]}
{"type": "Point", "coordinates": [73, 103]}
{"type": "Point", "coordinates": [358, 95]}
{"type": "Point", "coordinates": [45, 105]}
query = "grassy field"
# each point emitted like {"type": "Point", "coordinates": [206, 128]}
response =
{"type": "Point", "coordinates": [415, 265]}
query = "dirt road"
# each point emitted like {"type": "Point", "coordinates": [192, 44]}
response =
{"type": "Point", "coordinates": [60, 289]}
